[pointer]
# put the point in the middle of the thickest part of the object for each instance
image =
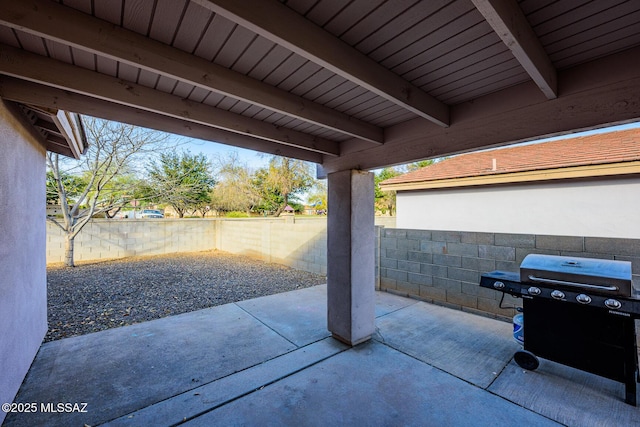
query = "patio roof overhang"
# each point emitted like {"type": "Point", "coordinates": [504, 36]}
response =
{"type": "Point", "coordinates": [349, 85]}
{"type": "Point", "coordinates": [61, 132]}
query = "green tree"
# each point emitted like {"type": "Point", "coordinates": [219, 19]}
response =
{"type": "Point", "coordinates": [270, 198]}
{"type": "Point", "coordinates": [119, 192]}
{"type": "Point", "coordinates": [282, 181]}
{"type": "Point", "coordinates": [74, 185]}
{"type": "Point", "coordinates": [385, 201]}
{"type": "Point", "coordinates": [318, 196]}
{"type": "Point", "coordinates": [182, 180]}
{"type": "Point", "coordinates": [419, 165]}
{"type": "Point", "coordinates": [85, 188]}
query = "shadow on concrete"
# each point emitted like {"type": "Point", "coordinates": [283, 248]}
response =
{"type": "Point", "coordinates": [271, 361]}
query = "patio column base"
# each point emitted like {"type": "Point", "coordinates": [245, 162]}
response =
{"type": "Point", "coordinates": [351, 257]}
{"type": "Point", "coordinates": [349, 342]}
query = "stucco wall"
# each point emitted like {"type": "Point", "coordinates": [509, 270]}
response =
{"type": "Point", "coordinates": [23, 290]}
{"type": "Point", "coordinates": [604, 208]}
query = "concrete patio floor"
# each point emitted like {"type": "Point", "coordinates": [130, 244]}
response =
{"type": "Point", "coordinates": [270, 361]}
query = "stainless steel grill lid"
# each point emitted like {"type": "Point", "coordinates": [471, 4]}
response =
{"type": "Point", "coordinates": [601, 276]}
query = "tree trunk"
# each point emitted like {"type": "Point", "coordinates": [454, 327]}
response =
{"type": "Point", "coordinates": [68, 250]}
{"type": "Point", "coordinates": [284, 205]}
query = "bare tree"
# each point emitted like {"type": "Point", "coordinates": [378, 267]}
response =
{"type": "Point", "coordinates": [113, 148]}
{"type": "Point", "coordinates": [236, 190]}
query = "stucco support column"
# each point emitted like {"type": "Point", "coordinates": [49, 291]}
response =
{"type": "Point", "coordinates": [351, 256]}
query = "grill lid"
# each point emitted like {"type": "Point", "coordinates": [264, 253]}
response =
{"type": "Point", "coordinates": [596, 275]}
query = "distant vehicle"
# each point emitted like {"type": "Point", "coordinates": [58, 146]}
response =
{"type": "Point", "coordinates": [151, 213]}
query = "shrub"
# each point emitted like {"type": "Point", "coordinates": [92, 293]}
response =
{"type": "Point", "coordinates": [236, 214]}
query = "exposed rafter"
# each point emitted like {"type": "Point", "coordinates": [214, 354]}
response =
{"type": "Point", "coordinates": [276, 22]}
{"type": "Point", "coordinates": [508, 21]}
{"type": "Point", "coordinates": [53, 21]}
{"type": "Point", "coordinates": [38, 69]}
{"type": "Point", "coordinates": [25, 92]}
{"type": "Point", "coordinates": [606, 88]}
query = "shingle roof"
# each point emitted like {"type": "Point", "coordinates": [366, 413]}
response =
{"type": "Point", "coordinates": [604, 148]}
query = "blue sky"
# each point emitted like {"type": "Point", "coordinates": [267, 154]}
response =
{"type": "Point", "coordinates": [213, 150]}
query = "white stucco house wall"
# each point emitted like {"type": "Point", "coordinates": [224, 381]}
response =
{"type": "Point", "coordinates": [584, 186]}
{"type": "Point", "coordinates": [26, 134]}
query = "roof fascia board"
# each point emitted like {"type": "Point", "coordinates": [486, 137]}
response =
{"type": "Point", "coordinates": [588, 171]}
{"type": "Point", "coordinates": [38, 69]}
{"type": "Point", "coordinates": [280, 24]}
{"type": "Point", "coordinates": [66, 123]}
{"type": "Point", "coordinates": [508, 21]}
{"type": "Point", "coordinates": [35, 94]}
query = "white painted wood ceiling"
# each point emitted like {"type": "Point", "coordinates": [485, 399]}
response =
{"type": "Point", "coordinates": [330, 81]}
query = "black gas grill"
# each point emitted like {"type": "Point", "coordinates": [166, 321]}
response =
{"type": "Point", "coordinates": [577, 311]}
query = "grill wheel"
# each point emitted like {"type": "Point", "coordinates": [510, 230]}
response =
{"type": "Point", "coordinates": [526, 360]}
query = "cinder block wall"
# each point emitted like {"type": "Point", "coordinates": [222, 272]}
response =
{"type": "Point", "coordinates": [108, 239]}
{"type": "Point", "coordinates": [299, 243]}
{"type": "Point", "coordinates": [436, 266]}
{"type": "Point", "coordinates": [444, 267]}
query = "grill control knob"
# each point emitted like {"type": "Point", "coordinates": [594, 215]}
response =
{"type": "Point", "coordinates": [583, 299]}
{"type": "Point", "coordinates": [613, 304]}
{"type": "Point", "coordinates": [557, 294]}
{"type": "Point", "coordinates": [534, 291]}
{"type": "Point", "coordinates": [498, 285]}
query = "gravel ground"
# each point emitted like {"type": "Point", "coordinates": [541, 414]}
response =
{"type": "Point", "coordinates": [101, 295]}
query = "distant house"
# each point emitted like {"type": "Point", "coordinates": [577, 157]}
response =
{"type": "Point", "coordinates": [584, 186]}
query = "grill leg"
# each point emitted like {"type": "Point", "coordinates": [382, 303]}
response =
{"type": "Point", "coordinates": [630, 392]}
{"type": "Point", "coordinates": [631, 365]}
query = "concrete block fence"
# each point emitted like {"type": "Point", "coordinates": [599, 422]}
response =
{"type": "Point", "coordinates": [109, 239]}
{"type": "Point", "coordinates": [444, 267]}
{"type": "Point", "coordinates": [300, 244]}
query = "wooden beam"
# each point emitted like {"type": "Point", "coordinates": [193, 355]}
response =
{"type": "Point", "coordinates": [595, 95]}
{"type": "Point", "coordinates": [54, 21]}
{"type": "Point", "coordinates": [508, 21]}
{"type": "Point", "coordinates": [280, 24]}
{"type": "Point", "coordinates": [25, 92]}
{"type": "Point", "coordinates": [47, 126]}
{"type": "Point", "coordinates": [38, 69]}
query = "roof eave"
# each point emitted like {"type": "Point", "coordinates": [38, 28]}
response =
{"type": "Point", "coordinates": [71, 128]}
{"type": "Point", "coordinates": [587, 171]}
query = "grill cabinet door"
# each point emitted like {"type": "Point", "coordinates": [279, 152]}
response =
{"type": "Point", "coordinates": [581, 337]}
